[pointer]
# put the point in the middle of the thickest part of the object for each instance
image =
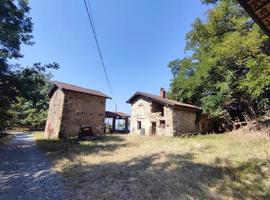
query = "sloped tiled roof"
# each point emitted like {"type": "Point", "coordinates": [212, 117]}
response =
{"type": "Point", "coordinates": [161, 100]}
{"type": "Point", "coordinates": [74, 88]}
{"type": "Point", "coordinates": [259, 10]}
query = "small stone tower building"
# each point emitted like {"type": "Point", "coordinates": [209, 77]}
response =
{"type": "Point", "coordinates": [71, 108]}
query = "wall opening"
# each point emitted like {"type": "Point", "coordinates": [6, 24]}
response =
{"type": "Point", "coordinates": [162, 123]}
{"type": "Point", "coordinates": [157, 108]}
{"type": "Point", "coordinates": [139, 125]}
{"type": "Point", "coordinates": [154, 128]}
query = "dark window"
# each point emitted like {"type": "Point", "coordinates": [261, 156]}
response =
{"type": "Point", "coordinates": [139, 125]}
{"type": "Point", "coordinates": [162, 122]}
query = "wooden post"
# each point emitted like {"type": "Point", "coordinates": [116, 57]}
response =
{"type": "Point", "coordinates": [126, 125]}
{"type": "Point", "coordinates": [113, 125]}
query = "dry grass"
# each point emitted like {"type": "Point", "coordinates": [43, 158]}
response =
{"type": "Point", "coordinates": [228, 166]}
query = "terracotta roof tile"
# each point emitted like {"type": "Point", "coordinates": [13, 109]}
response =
{"type": "Point", "coordinates": [259, 10]}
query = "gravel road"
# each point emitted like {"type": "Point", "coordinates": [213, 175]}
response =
{"type": "Point", "coordinates": [25, 172]}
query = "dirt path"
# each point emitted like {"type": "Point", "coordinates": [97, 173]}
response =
{"type": "Point", "coordinates": [25, 172]}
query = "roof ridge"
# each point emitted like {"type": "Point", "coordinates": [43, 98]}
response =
{"type": "Point", "coordinates": [158, 98]}
{"type": "Point", "coordinates": [75, 88]}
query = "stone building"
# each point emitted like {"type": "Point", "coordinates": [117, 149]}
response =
{"type": "Point", "coordinates": [71, 108]}
{"type": "Point", "coordinates": [158, 115]}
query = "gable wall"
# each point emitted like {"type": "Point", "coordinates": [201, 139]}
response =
{"type": "Point", "coordinates": [141, 110]}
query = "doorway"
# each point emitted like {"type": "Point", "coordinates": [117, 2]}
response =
{"type": "Point", "coordinates": [154, 128]}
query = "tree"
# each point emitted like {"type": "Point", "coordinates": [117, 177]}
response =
{"type": "Point", "coordinates": [15, 29]}
{"type": "Point", "coordinates": [31, 105]}
{"type": "Point", "coordinates": [228, 73]}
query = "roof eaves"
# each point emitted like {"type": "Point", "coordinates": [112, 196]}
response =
{"type": "Point", "coordinates": [61, 87]}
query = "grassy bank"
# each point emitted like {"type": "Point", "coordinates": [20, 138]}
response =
{"type": "Point", "coordinates": [228, 166]}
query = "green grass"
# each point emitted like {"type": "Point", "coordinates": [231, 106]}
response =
{"type": "Point", "coordinates": [228, 166]}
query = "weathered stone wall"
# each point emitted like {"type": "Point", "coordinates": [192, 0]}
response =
{"type": "Point", "coordinates": [184, 120]}
{"type": "Point", "coordinates": [54, 117]}
{"type": "Point", "coordinates": [141, 110]}
{"type": "Point", "coordinates": [169, 122]}
{"type": "Point", "coordinates": [82, 110]}
{"type": "Point", "coordinates": [166, 128]}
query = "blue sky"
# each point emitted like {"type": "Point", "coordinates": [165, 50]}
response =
{"type": "Point", "coordinates": [138, 38]}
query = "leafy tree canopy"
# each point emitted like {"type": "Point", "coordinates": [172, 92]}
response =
{"type": "Point", "coordinates": [15, 29]}
{"type": "Point", "coordinates": [228, 72]}
{"type": "Point", "coordinates": [31, 105]}
{"type": "Point", "coordinates": [23, 92]}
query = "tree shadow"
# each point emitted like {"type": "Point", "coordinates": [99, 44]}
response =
{"type": "Point", "coordinates": [168, 176]}
{"type": "Point", "coordinates": [71, 148]}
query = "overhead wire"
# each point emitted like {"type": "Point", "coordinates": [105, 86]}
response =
{"type": "Point", "coordinates": [92, 25]}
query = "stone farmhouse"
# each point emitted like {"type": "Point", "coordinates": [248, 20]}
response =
{"type": "Point", "coordinates": [158, 115]}
{"type": "Point", "coordinates": [72, 108]}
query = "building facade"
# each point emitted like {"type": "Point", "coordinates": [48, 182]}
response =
{"type": "Point", "coordinates": [72, 108]}
{"type": "Point", "coordinates": [157, 115]}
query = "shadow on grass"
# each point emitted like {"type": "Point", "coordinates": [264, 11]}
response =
{"type": "Point", "coordinates": [70, 148]}
{"type": "Point", "coordinates": [179, 177]}
{"type": "Point", "coordinates": [155, 176]}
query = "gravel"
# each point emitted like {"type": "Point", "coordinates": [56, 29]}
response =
{"type": "Point", "coordinates": [25, 172]}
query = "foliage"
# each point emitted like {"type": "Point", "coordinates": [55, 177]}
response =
{"type": "Point", "coordinates": [15, 29]}
{"type": "Point", "coordinates": [31, 105]}
{"type": "Point", "coordinates": [23, 100]}
{"type": "Point", "coordinates": [228, 72]}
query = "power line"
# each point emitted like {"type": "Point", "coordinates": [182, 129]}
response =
{"type": "Point", "coordinates": [92, 23]}
{"type": "Point", "coordinates": [91, 16]}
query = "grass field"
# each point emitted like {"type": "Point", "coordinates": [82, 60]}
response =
{"type": "Point", "coordinates": [228, 166]}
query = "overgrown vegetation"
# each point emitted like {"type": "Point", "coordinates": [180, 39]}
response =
{"type": "Point", "coordinates": [23, 99]}
{"type": "Point", "coordinates": [228, 166]}
{"type": "Point", "coordinates": [228, 72]}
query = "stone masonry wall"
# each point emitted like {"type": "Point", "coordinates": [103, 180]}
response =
{"type": "Point", "coordinates": [82, 110]}
{"type": "Point", "coordinates": [141, 110]}
{"type": "Point", "coordinates": [173, 122]}
{"type": "Point", "coordinates": [54, 117]}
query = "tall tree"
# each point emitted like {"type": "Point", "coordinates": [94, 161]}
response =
{"type": "Point", "coordinates": [31, 105]}
{"type": "Point", "coordinates": [15, 29]}
{"type": "Point", "coordinates": [228, 73]}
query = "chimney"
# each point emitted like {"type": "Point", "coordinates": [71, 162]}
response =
{"type": "Point", "coordinates": [163, 93]}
